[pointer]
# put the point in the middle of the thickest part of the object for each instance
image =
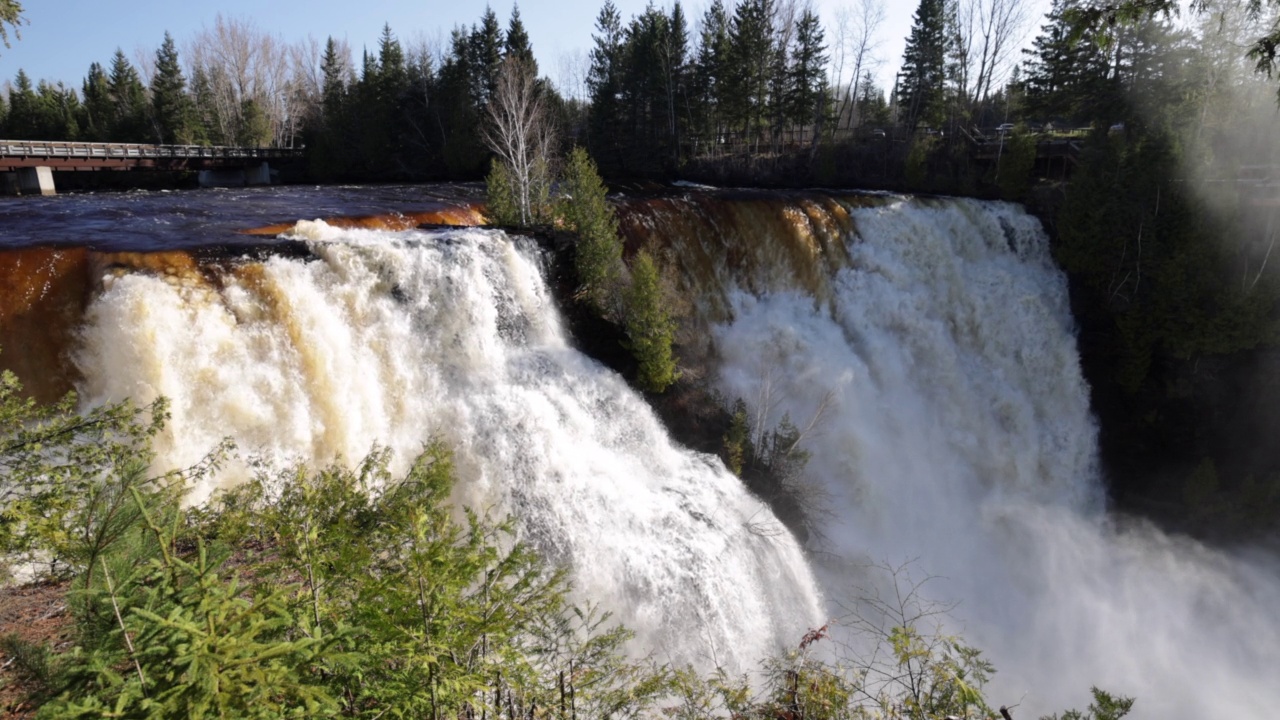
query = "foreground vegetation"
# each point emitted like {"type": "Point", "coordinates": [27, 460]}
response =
{"type": "Point", "coordinates": [353, 592]}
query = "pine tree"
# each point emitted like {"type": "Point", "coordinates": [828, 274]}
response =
{"type": "Point", "coordinates": [11, 15]}
{"type": "Point", "coordinates": [605, 82]}
{"type": "Point", "coordinates": [458, 110]}
{"type": "Point", "coordinates": [96, 109]}
{"type": "Point", "coordinates": [753, 61]}
{"type": "Point", "coordinates": [485, 47]}
{"type": "Point", "coordinates": [57, 111]}
{"type": "Point", "coordinates": [922, 80]}
{"type": "Point", "coordinates": [711, 75]}
{"type": "Point", "coordinates": [128, 100]}
{"type": "Point", "coordinates": [806, 86]}
{"type": "Point", "coordinates": [172, 109]}
{"type": "Point", "coordinates": [517, 42]}
{"type": "Point", "coordinates": [24, 116]}
{"type": "Point", "coordinates": [873, 109]}
{"type": "Point", "coordinates": [1065, 75]}
{"type": "Point", "coordinates": [585, 210]}
{"type": "Point", "coordinates": [329, 131]}
{"type": "Point", "coordinates": [676, 69]}
{"type": "Point", "coordinates": [650, 329]}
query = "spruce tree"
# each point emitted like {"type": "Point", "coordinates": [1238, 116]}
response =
{"type": "Point", "coordinates": [712, 68]}
{"type": "Point", "coordinates": [585, 210]}
{"type": "Point", "coordinates": [57, 112]}
{"type": "Point", "coordinates": [485, 47]}
{"type": "Point", "coordinates": [329, 144]}
{"type": "Point", "coordinates": [458, 110]}
{"type": "Point", "coordinates": [806, 86]}
{"type": "Point", "coordinates": [172, 111]}
{"type": "Point", "coordinates": [517, 42]}
{"type": "Point", "coordinates": [650, 329]}
{"type": "Point", "coordinates": [676, 67]}
{"type": "Point", "coordinates": [24, 120]}
{"type": "Point", "coordinates": [604, 80]}
{"type": "Point", "coordinates": [921, 84]}
{"type": "Point", "coordinates": [128, 100]}
{"type": "Point", "coordinates": [873, 108]}
{"type": "Point", "coordinates": [752, 63]}
{"type": "Point", "coordinates": [1065, 74]}
{"type": "Point", "coordinates": [96, 109]}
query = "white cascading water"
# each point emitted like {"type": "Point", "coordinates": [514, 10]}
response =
{"type": "Point", "coordinates": [395, 339]}
{"type": "Point", "coordinates": [957, 436]}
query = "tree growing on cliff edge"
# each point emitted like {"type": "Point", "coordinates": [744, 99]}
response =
{"type": "Point", "coordinates": [650, 329]}
{"type": "Point", "coordinates": [520, 133]}
{"type": "Point", "coordinates": [583, 209]}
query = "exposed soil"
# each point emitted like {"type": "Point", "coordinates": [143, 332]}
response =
{"type": "Point", "coordinates": [37, 614]}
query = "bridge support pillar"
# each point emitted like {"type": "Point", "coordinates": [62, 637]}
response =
{"type": "Point", "coordinates": [221, 178]}
{"type": "Point", "coordinates": [9, 183]}
{"type": "Point", "coordinates": [236, 177]}
{"type": "Point", "coordinates": [260, 175]}
{"type": "Point", "coordinates": [36, 181]}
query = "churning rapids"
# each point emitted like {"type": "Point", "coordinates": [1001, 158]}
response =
{"type": "Point", "coordinates": [931, 338]}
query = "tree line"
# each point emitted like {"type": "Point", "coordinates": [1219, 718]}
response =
{"type": "Point", "coordinates": [657, 90]}
{"type": "Point", "coordinates": [754, 77]}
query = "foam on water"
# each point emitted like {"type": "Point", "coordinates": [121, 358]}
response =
{"type": "Point", "coordinates": [957, 434]}
{"type": "Point", "coordinates": [395, 339]}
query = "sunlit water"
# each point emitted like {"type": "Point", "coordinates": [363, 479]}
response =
{"type": "Point", "coordinates": [956, 434]}
{"type": "Point", "coordinates": [398, 338]}
{"type": "Point", "coordinates": [957, 438]}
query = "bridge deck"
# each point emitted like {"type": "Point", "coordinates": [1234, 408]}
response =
{"type": "Point", "coordinates": [68, 156]}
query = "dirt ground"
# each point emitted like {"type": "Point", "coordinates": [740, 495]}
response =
{"type": "Point", "coordinates": [36, 613]}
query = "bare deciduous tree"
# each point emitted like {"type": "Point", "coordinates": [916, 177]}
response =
{"type": "Point", "coordinates": [1002, 24]}
{"type": "Point", "coordinates": [571, 74]}
{"type": "Point", "coordinates": [857, 28]}
{"type": "Point", "coordinates": [250, 84]}
{"type": "Point", "coordinates": [988, 34]}
{"type": "Point", "coordinates": [520, 132]}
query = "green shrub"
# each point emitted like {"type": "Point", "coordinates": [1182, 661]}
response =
{"type": "Point", "coordinates": [61, 474]}
{"type": "Point", "coordinates": [650, 329]}
{"type": "Point", "coordinates": [584, 209]}
{"type": "Point", "coordinates": [501, 205]}
{"type": "Point", "coordinates": [1013, 172]}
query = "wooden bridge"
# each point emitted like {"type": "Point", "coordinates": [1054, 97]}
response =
{"type": "Point", "coordinates": [29, 164]}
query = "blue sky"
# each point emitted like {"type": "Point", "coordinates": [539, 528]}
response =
{"type": "Point", "coordinates": [64, 36]}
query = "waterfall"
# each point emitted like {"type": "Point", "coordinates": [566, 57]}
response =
{"type": "Point", "coordinates": [931, 338]}
{"type": "Point", "coordinates": [397, 338]}
{"type": "Point", "coordinates": [955, 435]}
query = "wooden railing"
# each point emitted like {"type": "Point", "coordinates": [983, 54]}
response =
{"type": "Point", "coordinates": [136, 151]}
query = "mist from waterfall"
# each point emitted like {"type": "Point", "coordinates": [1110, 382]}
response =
{"type": "Point", "coordinates": [396, 338]}
{"type": "Point", "coordinates": [955, 438]}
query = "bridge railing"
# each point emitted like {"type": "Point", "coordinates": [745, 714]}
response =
{"type": "Point", "coordinates": [131, 151]}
